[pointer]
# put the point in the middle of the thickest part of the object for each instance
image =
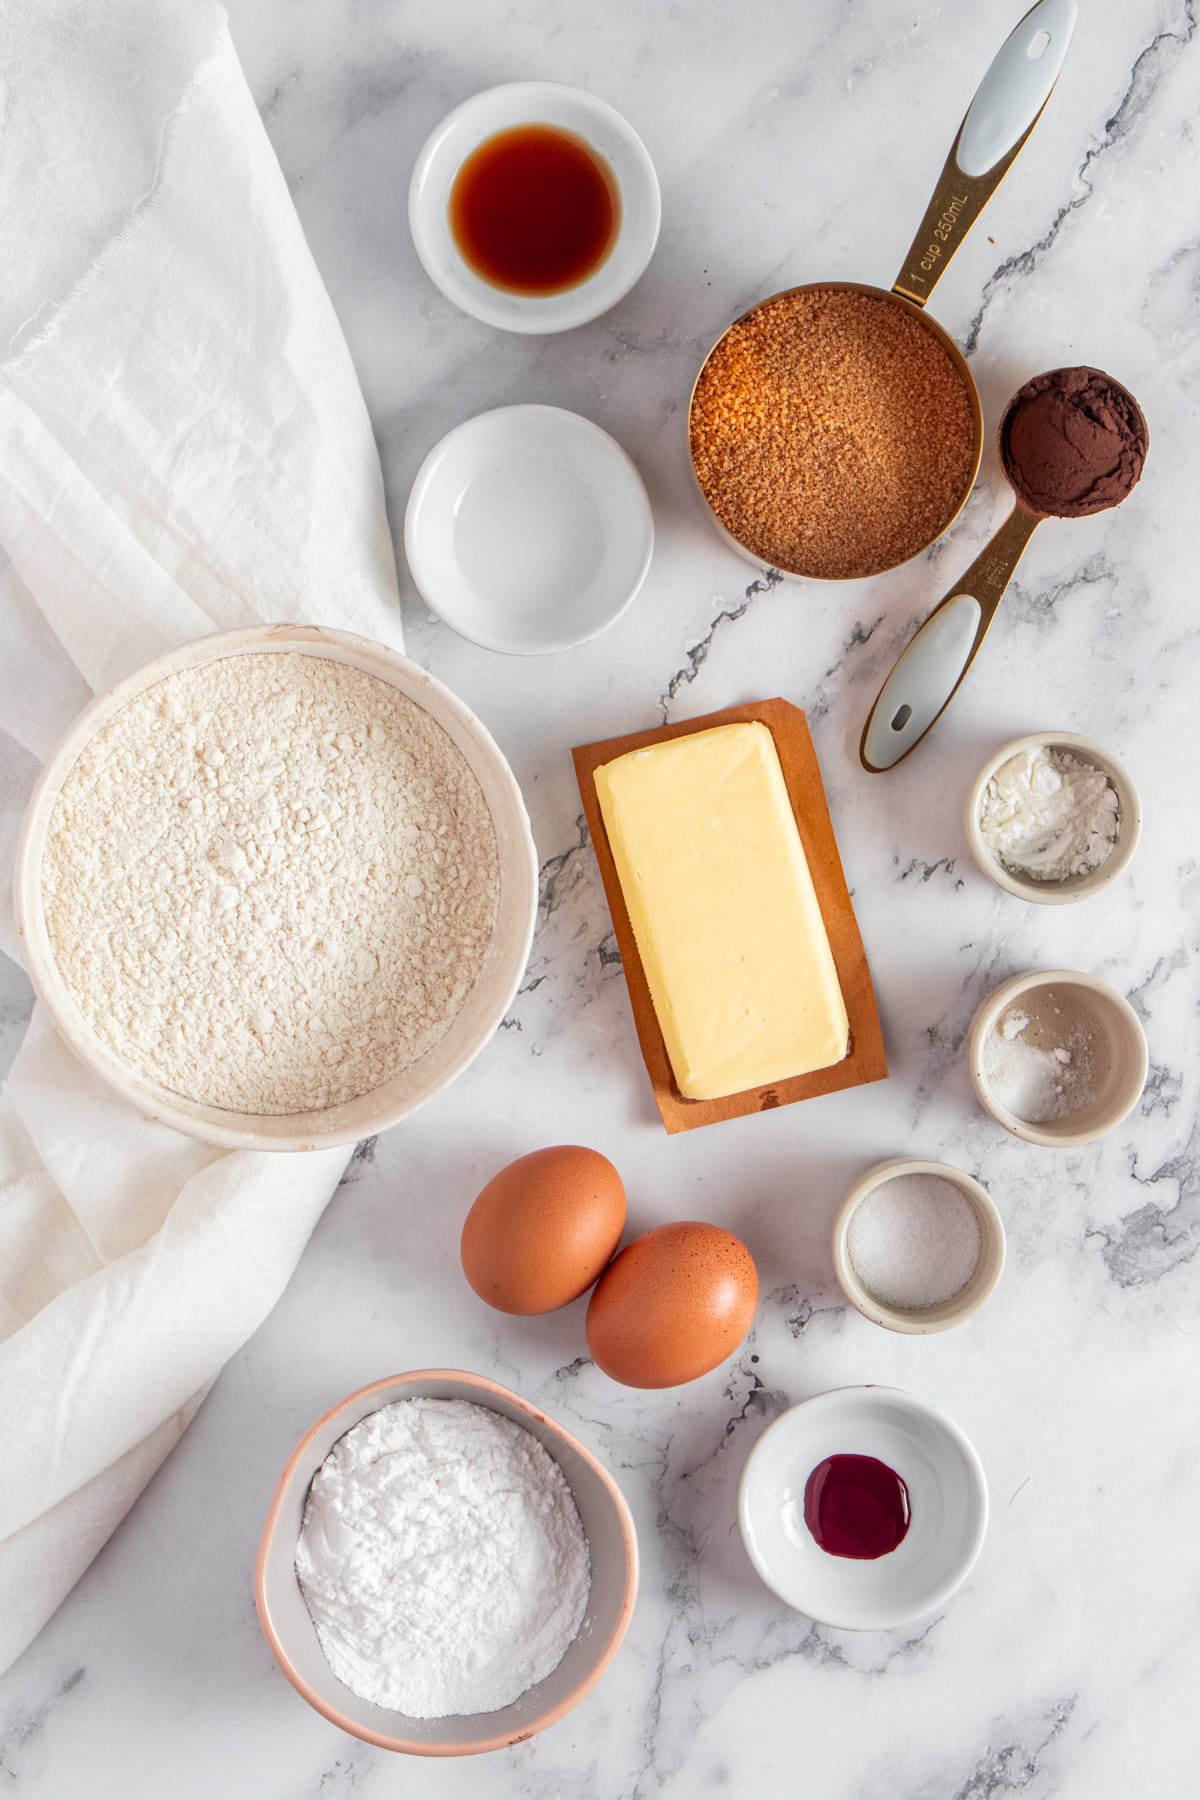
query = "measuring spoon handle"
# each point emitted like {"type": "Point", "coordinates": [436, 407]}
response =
{"type": "Point", "coordinates": [933, 662]}
{"type": "Point", "coordinates": [1005, 110]}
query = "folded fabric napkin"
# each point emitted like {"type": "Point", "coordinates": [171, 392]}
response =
{"type": "Point", "coordinates": [183, 449]}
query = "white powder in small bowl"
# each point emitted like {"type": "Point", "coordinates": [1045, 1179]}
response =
{"type": "Point", "coordinates": [1048, 814]}
{"type": "Point", "coordinates": [914, 1241]}
{"type": "Point", "coordinates": [1045, 1068]}
{"type": "Point", "coordinates": [442, 1559]}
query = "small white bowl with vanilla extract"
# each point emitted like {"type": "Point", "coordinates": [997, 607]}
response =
{"type": "Point", "coordinates": [534, 206]}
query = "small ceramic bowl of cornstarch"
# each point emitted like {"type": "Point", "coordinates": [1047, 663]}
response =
{"type": "Point", "coordinates": [917, 1246]}
{"type": "Point", "coordinates": [444, 1569]}
{"type": "Point", "coordinates": [1053, 817]}
{"type": "Point", "coordinates": [277, 888]}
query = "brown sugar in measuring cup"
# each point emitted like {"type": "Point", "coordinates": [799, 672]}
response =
{"type": "Point", "coordinates": [1073, 443]}
{"type": "Point", "coordinates": [835, 429]}
{"type": "Point", "coordinates": [839, 474]}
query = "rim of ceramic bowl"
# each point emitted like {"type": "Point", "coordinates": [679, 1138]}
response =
{"type": "Point", "coordinates": [1075, 887]}
{"type": "Point", "coordinates": [980, 1285]}
{"type": "Point", "coordinates": [353, 1120]}
{"type": "Point", "coordinates": [977, 1479]}
{"type": "Point", "coordinates": [986, 1016]}
{"type": "Point", "coordinates": [418, 565]}
{"type": "Point", "coordinates": [925, 318]}
{"type": "Point", "coordinates": [481, 116]}
{"type": "Point", "coordinates": [528, 1728]}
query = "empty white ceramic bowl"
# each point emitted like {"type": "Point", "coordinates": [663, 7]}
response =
{"type": "Point", "coordinates": [528, 530]}
{"type": "Point", "coordinates": [612, 1543]}
{"type": "Point", "coordinates": [948, 1502]}
{"type": "Point", "coordinates": [607, 134]}
{"type": "Point", "coordinates": [1075, 887]}
{"type": "Point", "coordinates": [486, 1003]}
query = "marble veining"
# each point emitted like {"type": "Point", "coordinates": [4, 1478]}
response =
{"type": "Point", "coordinates": [697, 654]}
{"type": "Point", "coordinates": [792, 142]}
{"type": "Point", "coordinates": [1150, 68]}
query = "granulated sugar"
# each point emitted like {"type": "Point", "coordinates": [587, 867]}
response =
{"type": "Point", "coordinates": [270, 882]}
{"type": "Point", "coordinates": [914, 1241]}
{"type": "Point", "coordinates": [1041, 1081]}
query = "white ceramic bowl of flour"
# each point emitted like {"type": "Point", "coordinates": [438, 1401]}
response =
{"type": "Point", "coordinates": [612, 1546]}
{"type": "Point", "coordinates": [496, 971]}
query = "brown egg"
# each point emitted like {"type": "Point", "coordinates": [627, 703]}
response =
{"type": "Point", "coordinates": [543, 1229]}
{"type": "Point", "coordinates": [674, 1304]}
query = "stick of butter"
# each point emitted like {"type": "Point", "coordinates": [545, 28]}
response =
{"type": "Point", "coordinates": [723, 908]}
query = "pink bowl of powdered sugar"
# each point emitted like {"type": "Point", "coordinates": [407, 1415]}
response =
{"type": "Point", "coordinates": [386, 1578]}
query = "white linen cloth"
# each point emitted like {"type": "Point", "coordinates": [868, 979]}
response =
{"type": "Point", "coordinates": [183, 449]}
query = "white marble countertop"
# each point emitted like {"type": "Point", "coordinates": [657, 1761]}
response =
{"type": "Point", "coordinates": [791, 142]}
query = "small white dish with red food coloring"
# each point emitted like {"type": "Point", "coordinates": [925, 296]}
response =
{"type": "Point", "coordinates": [945, 1503]}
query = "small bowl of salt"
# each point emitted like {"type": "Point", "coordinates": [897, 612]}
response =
{"type": "Point", "coordinates": [1052, 817]}
{"type": "Point", "coordinates": [917, 1246]}
{"type": "Point", "coordinates": [1057, 1057]}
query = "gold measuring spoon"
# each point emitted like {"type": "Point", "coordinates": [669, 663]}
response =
{"type": "Point", "coordinates": [1072, 442]}
{"type": "Point", "coordinates": [1008, 104]}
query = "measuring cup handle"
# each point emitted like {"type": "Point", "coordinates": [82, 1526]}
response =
{"type": "Point", "coordinates": [1005, 110]}
{"type": "Point", "coordinates": [933, 663]}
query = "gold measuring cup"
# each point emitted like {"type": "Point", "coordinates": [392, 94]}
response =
{"type": "Point", "coordinates": [1006, 107]}
{"type": "Point", "coordinates": [930, 669]}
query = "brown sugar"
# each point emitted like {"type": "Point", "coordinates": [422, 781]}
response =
{"type": "Point", "coordinates": [832, 434]}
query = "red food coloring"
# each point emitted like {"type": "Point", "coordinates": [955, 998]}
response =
{"type": "Point", "coordinates": [856, 1506]}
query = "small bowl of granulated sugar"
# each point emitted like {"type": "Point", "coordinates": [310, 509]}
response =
{"type": "Point", "coordinates": [444, 1570]}
{"type": "Point", "coordinates": [1057, 1058]}
{"type": "Point", "coordinates": [1052, 817]}
{"type": "Point", "coordinates": [277, 888]}
{"type": "Point", "coordinates": [917, 1246]}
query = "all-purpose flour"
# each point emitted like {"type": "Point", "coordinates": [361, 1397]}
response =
{"type": "Point", "coordinates": [270, 882]}
{"type": "Point", "coordinates": [442, 1559]}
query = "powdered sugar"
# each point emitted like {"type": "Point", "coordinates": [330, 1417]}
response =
{"type": "Point", "coordinates": [442, 1559]}
{"type": "Point", "coordinates": [270, 882]}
